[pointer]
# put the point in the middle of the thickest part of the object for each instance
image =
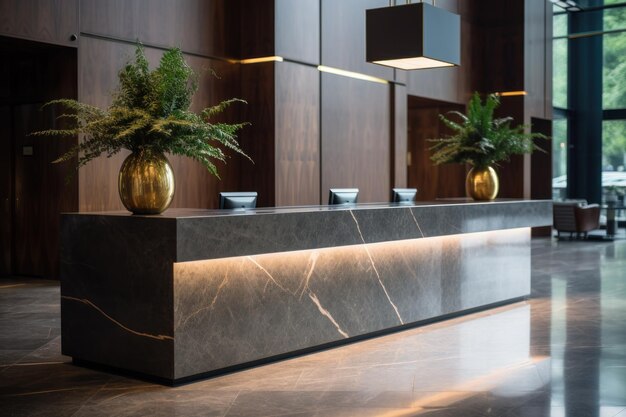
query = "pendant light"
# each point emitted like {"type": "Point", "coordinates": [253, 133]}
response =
{"type": "Point", "coordinates": [413, 36]}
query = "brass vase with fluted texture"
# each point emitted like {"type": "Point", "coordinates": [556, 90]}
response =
{"type": "Point", "coordinates": [146, 183]}
{"type": "Point", "coordinates": [482, 183]}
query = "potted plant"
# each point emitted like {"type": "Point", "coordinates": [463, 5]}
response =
{"type": "Point", "coordinates": [482, 141]}
{"type": "Point", "coordinates": [150, 117]}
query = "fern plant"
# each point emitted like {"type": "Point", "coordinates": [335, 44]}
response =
{"type": "Point", "coordinates": [481, 140]}
{"type": "Point", "coordinates": [150, 113]}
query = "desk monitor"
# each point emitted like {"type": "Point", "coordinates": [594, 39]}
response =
{"type": "Point", "coordinates": [238, 200]}
{"type": "Point", "coordinates": [343, 196]}
{"type": "Point", "coordinates": [404, 195]}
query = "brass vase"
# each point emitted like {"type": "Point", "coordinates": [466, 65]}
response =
{"type": "Point", "coordinates": [482, 183]}
{"type": "Point", "coordinates": [146, 183]}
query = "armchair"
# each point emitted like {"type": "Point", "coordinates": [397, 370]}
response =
{"type": "Point", "coordinates": [575, 217]}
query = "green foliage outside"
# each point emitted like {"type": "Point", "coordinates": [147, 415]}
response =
{"type": "Point", "coordinates": [480, 139]}
{"type": "Point", "coordinates": [614, 87]}
{"type": "Point", "coordinates": [150, 113]}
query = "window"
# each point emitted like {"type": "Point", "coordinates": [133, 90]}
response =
{"type": "Point", "coordinates": [559, 158]}
{"type": "Point", "coordinates": [614, 69]}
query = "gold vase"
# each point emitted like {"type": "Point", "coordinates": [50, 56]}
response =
{"type": "Point", "coordinates": [146, 183]}
{"type": "Point", "coordinates": [482, 183]}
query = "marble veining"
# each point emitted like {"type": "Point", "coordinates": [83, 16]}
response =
{"type": "Point", "coordinates": [275, 303]}
{"type": "Point", "coordinates": [369, 255]}
{"type": "Point", "coordinates": [99, 310]}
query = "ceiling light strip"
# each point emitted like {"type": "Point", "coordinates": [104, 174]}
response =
{"type": "Point", "coordinates": [351, 74]}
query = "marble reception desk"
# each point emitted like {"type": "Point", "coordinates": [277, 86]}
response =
{"type": "Point", "coordinates": [195, 292]}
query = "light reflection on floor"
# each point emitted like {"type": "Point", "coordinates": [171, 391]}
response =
{"type": "Point", "coordinates": [562, 353]}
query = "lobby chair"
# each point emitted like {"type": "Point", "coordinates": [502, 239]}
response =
{"type": "Point", "coordinates": [575, 217]}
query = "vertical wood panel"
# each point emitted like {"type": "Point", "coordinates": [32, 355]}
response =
{"type": "Point", "coordinates": [100, 62]}
{"type": "Point", "coordinates": [535, 58]}
{"type": "Point", "coordinates": [257, 28]}
{"type": "Point", "coordinates": [298, 30]}
{"type": "Point", "coordinates": [514, 174]}
{"type": "Point", "coordinates": [297, 135]}
{"type": "Point", "coordinates": [400, 136]}
{"type": "Point", "coordinates": [355, 137]}
{"type": "Point", "coordinates": [343, 36]}
{"type": "Point", "coordinates": [257, 140]}
{"type": "Point", "coordinates": [50, 21]}
{"type": "Point", "coordinates": [432, 181]}
{"type": "Point", "coordinates": [6, 189]}
{"type": "Point", "coordinates": [198, 26]}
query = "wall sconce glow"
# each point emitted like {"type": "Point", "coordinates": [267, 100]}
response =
{"type": "Point", "coordinates": [351, 74]}
{"type": "Point", "coordinates": [413, 36]}
{"type": "Point", "coordinates": [511, 93]}
{"type": "Point", "coordinates": [261, 59]}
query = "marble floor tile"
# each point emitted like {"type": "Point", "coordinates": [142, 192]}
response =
{"type": "Point", "coordinates": [560, 353]}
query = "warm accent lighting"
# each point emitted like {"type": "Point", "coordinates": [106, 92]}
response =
{"type": "Point", "coordinates": [511, 93]}
{"type": "Point", "coordinates": [413, 36]}
{"type": "Point", "coordinates": [351, 74]}
{"type": "Point", "coordinates": [261, 59]}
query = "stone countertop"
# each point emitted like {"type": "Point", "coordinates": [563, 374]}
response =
{"type": "Point", "coordinates": [192, 234]}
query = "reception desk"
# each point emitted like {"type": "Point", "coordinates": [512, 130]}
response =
{"type": "Point", "coordinates": [192, 293]}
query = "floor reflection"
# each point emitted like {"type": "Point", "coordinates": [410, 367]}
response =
{"type": "Point", "coordinates": [561, 353]}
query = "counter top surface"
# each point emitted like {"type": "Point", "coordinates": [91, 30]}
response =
{"type": "Point", "coordinates": [181, 213]}
{"type": "Point", "coordinates": [190, 234]}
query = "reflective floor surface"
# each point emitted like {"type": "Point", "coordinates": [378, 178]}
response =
{"type": "Point", "coordinates": [561, 353]}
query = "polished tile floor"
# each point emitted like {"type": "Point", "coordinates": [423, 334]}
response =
{"type": "Point", "coordinates": [561, 353]}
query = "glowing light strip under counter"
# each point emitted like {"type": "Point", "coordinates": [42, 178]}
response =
{"type": "Point", "coordinates": [469, 239]}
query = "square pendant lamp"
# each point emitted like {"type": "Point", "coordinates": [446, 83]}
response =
{"type": "Point", "coordinates": [413, 36]}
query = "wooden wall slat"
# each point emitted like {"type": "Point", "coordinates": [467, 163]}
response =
{"type": "Point", "coordinates": [400, 118]}
{"type": "Point", "coordinates": [50, 21]}
{"type": "Point", "coordinates": [258, 139]}
{"type": "Point", "coordinates": [432, 181]}
{"type": "Point", "coordinates": [355, 137]}
{"type": "Point", "coordinates": [297, 30]}
{"type": "Point", "coordinates": [297, 135]}
{"type": "Point", "coordinates": [197, 26]}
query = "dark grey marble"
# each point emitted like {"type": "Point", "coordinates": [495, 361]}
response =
{"type": "Point", "coordinates": [212, 235]}
{"type": "Point", "coordinates": [116, 291]}
{"type": "Point", "coordinates": [195, 291]}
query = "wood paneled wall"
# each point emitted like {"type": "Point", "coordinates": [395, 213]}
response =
{"type": "Point", "coordinates": [356, 139]}
{"type": "Point", "coordinates": [432, 181]}
{"type": "Point", "coordinates": [49, 21]}
{"type": "Point", "coordinates": [107, 44]}
{"type": "Point", "coordinates": [303, 122]}
{"type": "Point", "coordinates": [297, 133]}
